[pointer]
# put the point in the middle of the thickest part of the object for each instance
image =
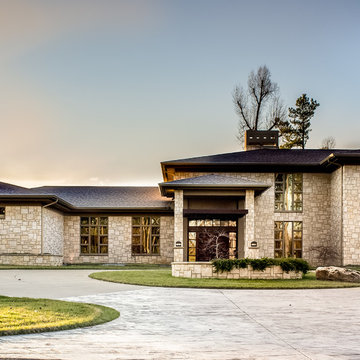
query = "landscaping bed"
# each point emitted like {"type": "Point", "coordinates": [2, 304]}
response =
{"type": "Point", "coordinates": [163, 277]}
{"type": "Point", "coordinates": [26, 315]}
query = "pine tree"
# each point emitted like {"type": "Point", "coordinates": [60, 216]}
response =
{"type": "Point", "coordinates": [295, 133]}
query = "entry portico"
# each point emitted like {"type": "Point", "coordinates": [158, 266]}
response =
{"type": "Point", "coordinates": [213, 214]}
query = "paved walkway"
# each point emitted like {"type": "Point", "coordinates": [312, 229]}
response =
{"type": "Point", "coordinates": [163, 323]}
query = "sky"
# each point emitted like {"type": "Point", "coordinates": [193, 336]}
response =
{"type": "Point", "coordinates": [100, 92]}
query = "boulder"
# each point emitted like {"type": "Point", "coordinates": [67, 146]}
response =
{"type": "Point", "coordinates": [334, 273]}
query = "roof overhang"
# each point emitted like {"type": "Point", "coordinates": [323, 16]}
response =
{"type": "Point", "coordinates": [213, 182]}
{"type": "Point", "coordinates": [64, 206]}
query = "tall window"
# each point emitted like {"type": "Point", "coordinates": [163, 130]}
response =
{"type": "Point", "coordinates": [288, 239]}
{"type": "Point", "coordinates": [288, 192]}
{"type": "Point", "coordinates": [146, 235]}
{"type": "Point", "coordinates": [94, 235]}
{"type": "Point", "coordinates": [2, 213]}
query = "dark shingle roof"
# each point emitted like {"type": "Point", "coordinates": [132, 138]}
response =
{"type": "Point", "coordinates": [9, 189]}
{"type": "Point", "coordinates": [266, 156]}
{"type": "Point", "coordinates": [111, 197]}
{"type": "Point", "coordinates": [212, 179]}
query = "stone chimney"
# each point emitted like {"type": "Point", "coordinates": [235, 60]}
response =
{"type": "Point", "coordinates": [260, 139]}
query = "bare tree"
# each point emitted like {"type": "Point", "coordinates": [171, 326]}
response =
{"type": "Point", "coordinates": [259, 107]}
{"type": "Point", "coordinates": [215, 243]}
{"type": "Point", "coordinates": [328, 143]}
{"type": "Point", "coordinates": [326, 253]}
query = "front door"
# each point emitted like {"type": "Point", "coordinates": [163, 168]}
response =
{"type": "Point", "coordinates": [212, 239]}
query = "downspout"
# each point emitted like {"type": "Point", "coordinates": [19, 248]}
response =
{"type": "Point", "coordinates": [42, 223]}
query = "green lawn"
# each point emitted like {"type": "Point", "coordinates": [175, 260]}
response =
{"type": "Point", "coordinates": [25, 315]}
{"type": "Point", "coordinates": [86, 267]}
{"type": "Point", "coordinates": [163, 278]}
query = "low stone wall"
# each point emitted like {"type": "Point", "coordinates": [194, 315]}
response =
{"type": "Point", "coordinates": [31, 259]}
{"type": "Point", "coordinates": [205, 270]}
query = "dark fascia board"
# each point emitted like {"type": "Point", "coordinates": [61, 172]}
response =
{"type": "Point", "coordinates": [251, 167]}
{"type": "Point", "coordinates": [166, 188]}
{"type": "Point", "coordinates": [338, 159]}
{"type": "Point", "coordinates": [69, 208]}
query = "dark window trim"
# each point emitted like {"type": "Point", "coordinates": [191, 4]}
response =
{"type": "Point", "coordinates": [89, 253]}
{"type": "Point", "coordinates": [140, 226]}
{"type": "Point", "coordinates": [2, 212]}
{"type": "Point", "coordinates": [292, 193]}
{"type": "Point", "coordinates": [292, 235]}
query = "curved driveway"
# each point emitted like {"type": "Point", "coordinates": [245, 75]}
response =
{"type": "Point", "coordinates": [169, 323]}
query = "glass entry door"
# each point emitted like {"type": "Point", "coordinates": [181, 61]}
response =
{"type": "Point", "coordinates": [212, 239]}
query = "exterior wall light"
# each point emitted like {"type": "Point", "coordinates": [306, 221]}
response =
{"type": "Point", "coordinates": [253, 244]}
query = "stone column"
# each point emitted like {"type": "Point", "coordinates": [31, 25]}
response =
{"type": "Point", "coordinates": [250, 225]}
{"type": "Point", "coordinates": [178, 226]}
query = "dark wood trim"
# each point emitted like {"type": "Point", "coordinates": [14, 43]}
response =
{"type": "Point", "coordinates": [214, 212]}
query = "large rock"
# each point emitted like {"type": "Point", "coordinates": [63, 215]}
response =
{"type": "Point", "coordinates": [334, 273]}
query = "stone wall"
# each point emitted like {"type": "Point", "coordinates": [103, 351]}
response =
{"type": "Point", "coordinates": [315, 215]}
{"type": "Point", "coordinates": [20, 231]}
{"type": "Point", "coordinates": [205, 270]}
{"type": "Point", "coordinates": [336, 213]}
{"type": "Point", "coordinates": [31, 260]}
{"type": "Point", "coordinates": [119, 249]}
{"type": "Point", "coordinates": [53, 232]}
{"type": "Point", "coordinates": [351, 215]}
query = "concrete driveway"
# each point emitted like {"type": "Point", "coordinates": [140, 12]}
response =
{"type": "Point", "coordinates": [165, 323]}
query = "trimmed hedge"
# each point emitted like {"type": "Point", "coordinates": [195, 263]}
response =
{"type": "Point", "coordinates": [286, 264]}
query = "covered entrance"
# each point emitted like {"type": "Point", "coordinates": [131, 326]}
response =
{"type": "Point", "coordinates": [210, 238]}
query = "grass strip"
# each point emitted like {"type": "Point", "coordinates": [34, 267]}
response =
{"type": "Point", "coordinates": [163, 278]}
{"type": "Point", "coordinates": [27, 315]}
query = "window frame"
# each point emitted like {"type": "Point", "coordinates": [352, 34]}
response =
{"type": "Point", "coordinates": [2, 214]}
{"type": "Point", "coordinates": [281, 229]}
{"type": "Point", "coordinates": [139, 235]}
{"type": "Point", "coordinates": [293, 193]}
{"type": "Point", "coordinates": [99, 235]}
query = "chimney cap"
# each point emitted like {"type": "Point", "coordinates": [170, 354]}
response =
{"type": "Point", "coordinates": [257, 139]}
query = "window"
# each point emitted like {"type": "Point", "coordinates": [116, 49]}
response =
{"type": "Point", "coordinates": [2, 213]}
{"type": "Point", "coordinates": [288, 192]}
{"type": "Point", "coordinates": [94, 235]}
{"type": "Point", "coordinates": [288, 239]}
{"type": "Point", "coordinates": [146, 235]}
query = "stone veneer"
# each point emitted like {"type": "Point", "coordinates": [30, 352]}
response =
{"type": "Point", "coordinates": [53, 232]}
{"type": "Point", "coordinates": [315, 215]}
{"type": "Point", "coordinates": [205, 270]}
{"type": "Point", "coordinates": [351, 214]}
{"type": "Point", "coordinates": [31, 235]}
{"type": "Point", "coordinates": [31, 260]}
{"type": "Point", "coordinates": [119, 251]}
{"type": "Point", "coordinates": [20, 231]}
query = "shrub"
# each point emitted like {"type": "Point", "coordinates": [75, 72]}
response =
{"type": "Point", "coordinates": [286, 264]}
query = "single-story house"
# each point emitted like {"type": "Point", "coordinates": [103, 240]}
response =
{"type": "Point", "coordinates": [263, 201]}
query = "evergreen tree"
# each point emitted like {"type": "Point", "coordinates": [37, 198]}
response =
{"type": "Point", "coordinates": [295, 132]}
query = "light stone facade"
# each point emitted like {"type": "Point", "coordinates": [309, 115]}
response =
{"type": "Point", "coordinates": [53, 232]}
{"type": "Point", "coordinates": [31, 235]}
{"type": "Point", "coordinates": [330, 217]}
{"type": "Point", "coordinates": [20, 231]}
{"type": "Point", "coordinates": [351, 214]}
{"type": "Point", "coordinates": [119, 248]}
{"type": "Point", "coordinates": [316, 215]}
{"type": "Point", "coordinates": [178, 226]}
{"type": "Point", "coordinates": [205, 270]}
